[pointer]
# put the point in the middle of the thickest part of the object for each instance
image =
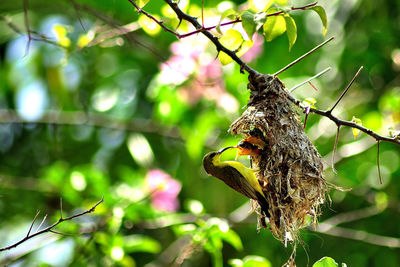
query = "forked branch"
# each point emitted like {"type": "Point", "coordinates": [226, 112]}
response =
{"type": "Point", "coordinates": [49, 228]}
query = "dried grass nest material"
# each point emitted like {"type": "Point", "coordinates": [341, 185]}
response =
{"type": "Point", "coordinates": [290, 167]}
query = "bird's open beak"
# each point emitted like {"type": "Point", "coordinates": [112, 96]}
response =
{"type": "Point", "coordinates": [241, 152]}
{"type": "Point", "coordinates": [225, 148]}
{"type": "Point", "coordinates": [246, 148]}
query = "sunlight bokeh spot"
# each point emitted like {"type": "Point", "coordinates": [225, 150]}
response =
{"type": "Point", "coordinates": [32, 100]}
{"type": "Point", "coordinates": [105, 99]}
{"type": "Point", "coordinates": [140, 149]}
{"type": "Point", "coordinates": [78, 181]}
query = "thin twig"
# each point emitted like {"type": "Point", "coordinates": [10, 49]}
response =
{"type": "Point", "coordinates": [50, 228]}
{"type": "Point", "coordinates": [310, 79]}
{"type": "Point", "coordinates": [61, 208]}
{"type": "Point", "coordinates": [202, 13]}
{"type": "Point", "coordinates": [302, 57]}
{"type": "Point", "coordinates": [213, 39]}
{"type": "Point", "coordinates": [347, 88]}
{"type": "Point", "coordinates": [340, 122]}
{"type": "Point", "coordinates": [200, 28]}
{"type": "Point", "coordinates": [313, 86]}
{"type": "Point", "coordinates": [160, 23]}
{"type": "Point", "coordinates": [26, 20]}
{"type": "Point", "coordinates": [363, 236]}
{"type": "Point", "coordinates": [92, 119]}
{"type": "Point", "coordinates": [334, 149]}
{"type": "Point", "coordinates": [377, 161]}
{"type": "Point", "coordinates": [33, 222]}
{"type": "Point", "coordinates": [40, 225]}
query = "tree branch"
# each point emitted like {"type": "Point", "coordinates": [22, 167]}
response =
{"type": "Point", "coordinates": [340, 122]}
{"type": "Point", "coordinates": [92, 119]}
{"type": "Point", "coordinates": [50, 228]}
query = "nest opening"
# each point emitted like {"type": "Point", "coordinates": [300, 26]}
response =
{"type": "Point", "coordinates": [290, 167]}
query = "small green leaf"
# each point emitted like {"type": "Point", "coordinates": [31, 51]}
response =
{"type": "Point", "coordinates": [61, 31]}
{"type": "Point", "coordinates": [273, 27]}
{"type": "Point", "coordinates": [246, 45]}
{"type": "Point", "coordinates": [236, 262]}
{"type": "Point", "coordinates": [232, 238]}
{"type": "Point", "coordinates": [325, 262]}
{"type": "Point", "coordinates": [393, 133]}
{"type": "Point", "coordinates": [229, 13]}
{"type": "Point", "coordinates": [309, 101]}
{"type": "Point", "coordinates": [355, 130]}
{"type": "Point", "coordinates": [248, 23]}
{"type": "Point", "coordinates": [260, 18]}
{"type": "Point", "coordinates": [256, 261]}
{"type": "Point", "coordinates": [291, 30]}
{"type": "Point", "coordinates": [141, 3]}
{"type": "Point", "coordinates": [322, 14]}
{"type": "Point", "coordinates": [142, 243]}
{"type": "Point", "coordinates": [232, 39]}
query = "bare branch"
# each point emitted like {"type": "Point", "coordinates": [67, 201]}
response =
{"type": "Point", "coordinates": [40, 225]}
{"type": "Point", "coordinates": [50, 228]}
{"type": "Point", "coordinates": [26, 19]}
{"type": "Point", "coordinates": [310, 79]}
{"type": "Point", "coordinates": [341, 122]}
{"type": "Point", "coordinates": [363, 236]}
{"type": "Point", "coordinates": [92, 119]}
{"type": "Point", "coordinates": [302, 57]}
{"type": "Point", "coordinates": [347, 88]}
{"type": "Point", "coordinates": [33, 222]}
{"type": "Point", "coordinates": [160, 23]}
{"type": "Point", "coordinates": [334, 149]}
{"type": "Point", "coordinates": [377, 161]}
{"type": "Point", "coordinates": [61, 209]}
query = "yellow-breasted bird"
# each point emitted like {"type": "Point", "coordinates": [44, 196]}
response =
{"type": "Point", "coordinates": [237, 176]}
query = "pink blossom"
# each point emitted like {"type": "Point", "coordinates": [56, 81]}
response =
{"type": "Point", "coordinates": [255, 51]}
{"type": "Point", "coordinates": [164, 190]}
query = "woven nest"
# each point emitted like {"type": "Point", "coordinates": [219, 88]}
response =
{"type": "Point", "coordinates": [290, 167]}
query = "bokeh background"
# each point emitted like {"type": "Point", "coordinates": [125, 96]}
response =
{"type": "Point", "coordinates": [92, 109]}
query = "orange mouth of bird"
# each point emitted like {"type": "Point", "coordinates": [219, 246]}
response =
{"type": "Point", "coordinates": [246, 148]}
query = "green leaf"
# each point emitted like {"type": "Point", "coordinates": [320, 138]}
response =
{"type": "Point", "coordinates": [229, 13]}
{"type": "Point", "coordinates": [61, 31]}
{"type": "Point", "coordinates": [355, 130]}
{"type": "Point", "coordinates": [309, 101]}
{"type": "Point", "coordinates": [246, 45]}
{"type": "Point", "coordinates": [232, 238]}
{"type": "Point", "coordinates": [325, 262]}
{"type": "Point", "coordinates": [248, 23]}
{"type": "Point", "coordinates": [236, 262]}
{"type": "Point", "coordinates": [141, 3]}
{"type": "Point", "coordinates": [142, 243]}
{"type": "Point", "coordinates": [250, 261]}
{"type": "Point", "coordinates": [232, 40]}
{"type": "Point", "coordinates": [256, 261]}
{"type": "Point", "coordinates": [273, 27]}
{"type": "Point", "coordinates": [291, 30]}
{"type": "Point", "coordinates": [322, 14]}
{"type": "Point", "coordinates": [260, 18]}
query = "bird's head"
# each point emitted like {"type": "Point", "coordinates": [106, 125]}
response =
{"type": "Point", "coordinates": [247, 148]}
{"type": "Point", "coordinates": [212, 158]}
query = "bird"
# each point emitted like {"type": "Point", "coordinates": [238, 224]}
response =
{"type": "Point", "coordinates": [237, 176]}
{"type": "Point", "coordinates": [247, 148]}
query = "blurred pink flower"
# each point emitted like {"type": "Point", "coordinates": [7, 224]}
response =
{"type": "Point", "coordinates": [164, 190]}
{"type": "Point", "coordinates": [257, 48]}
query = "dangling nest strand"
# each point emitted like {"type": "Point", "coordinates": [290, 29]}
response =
{"type": "Point", "coordinates": [290, 167]}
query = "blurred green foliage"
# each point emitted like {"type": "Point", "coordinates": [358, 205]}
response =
{"type": "Point", "coordinates": [130, 118]}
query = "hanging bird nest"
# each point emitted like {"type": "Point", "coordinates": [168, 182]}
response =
{"type": "Point", "coordinates": [290, 167]}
